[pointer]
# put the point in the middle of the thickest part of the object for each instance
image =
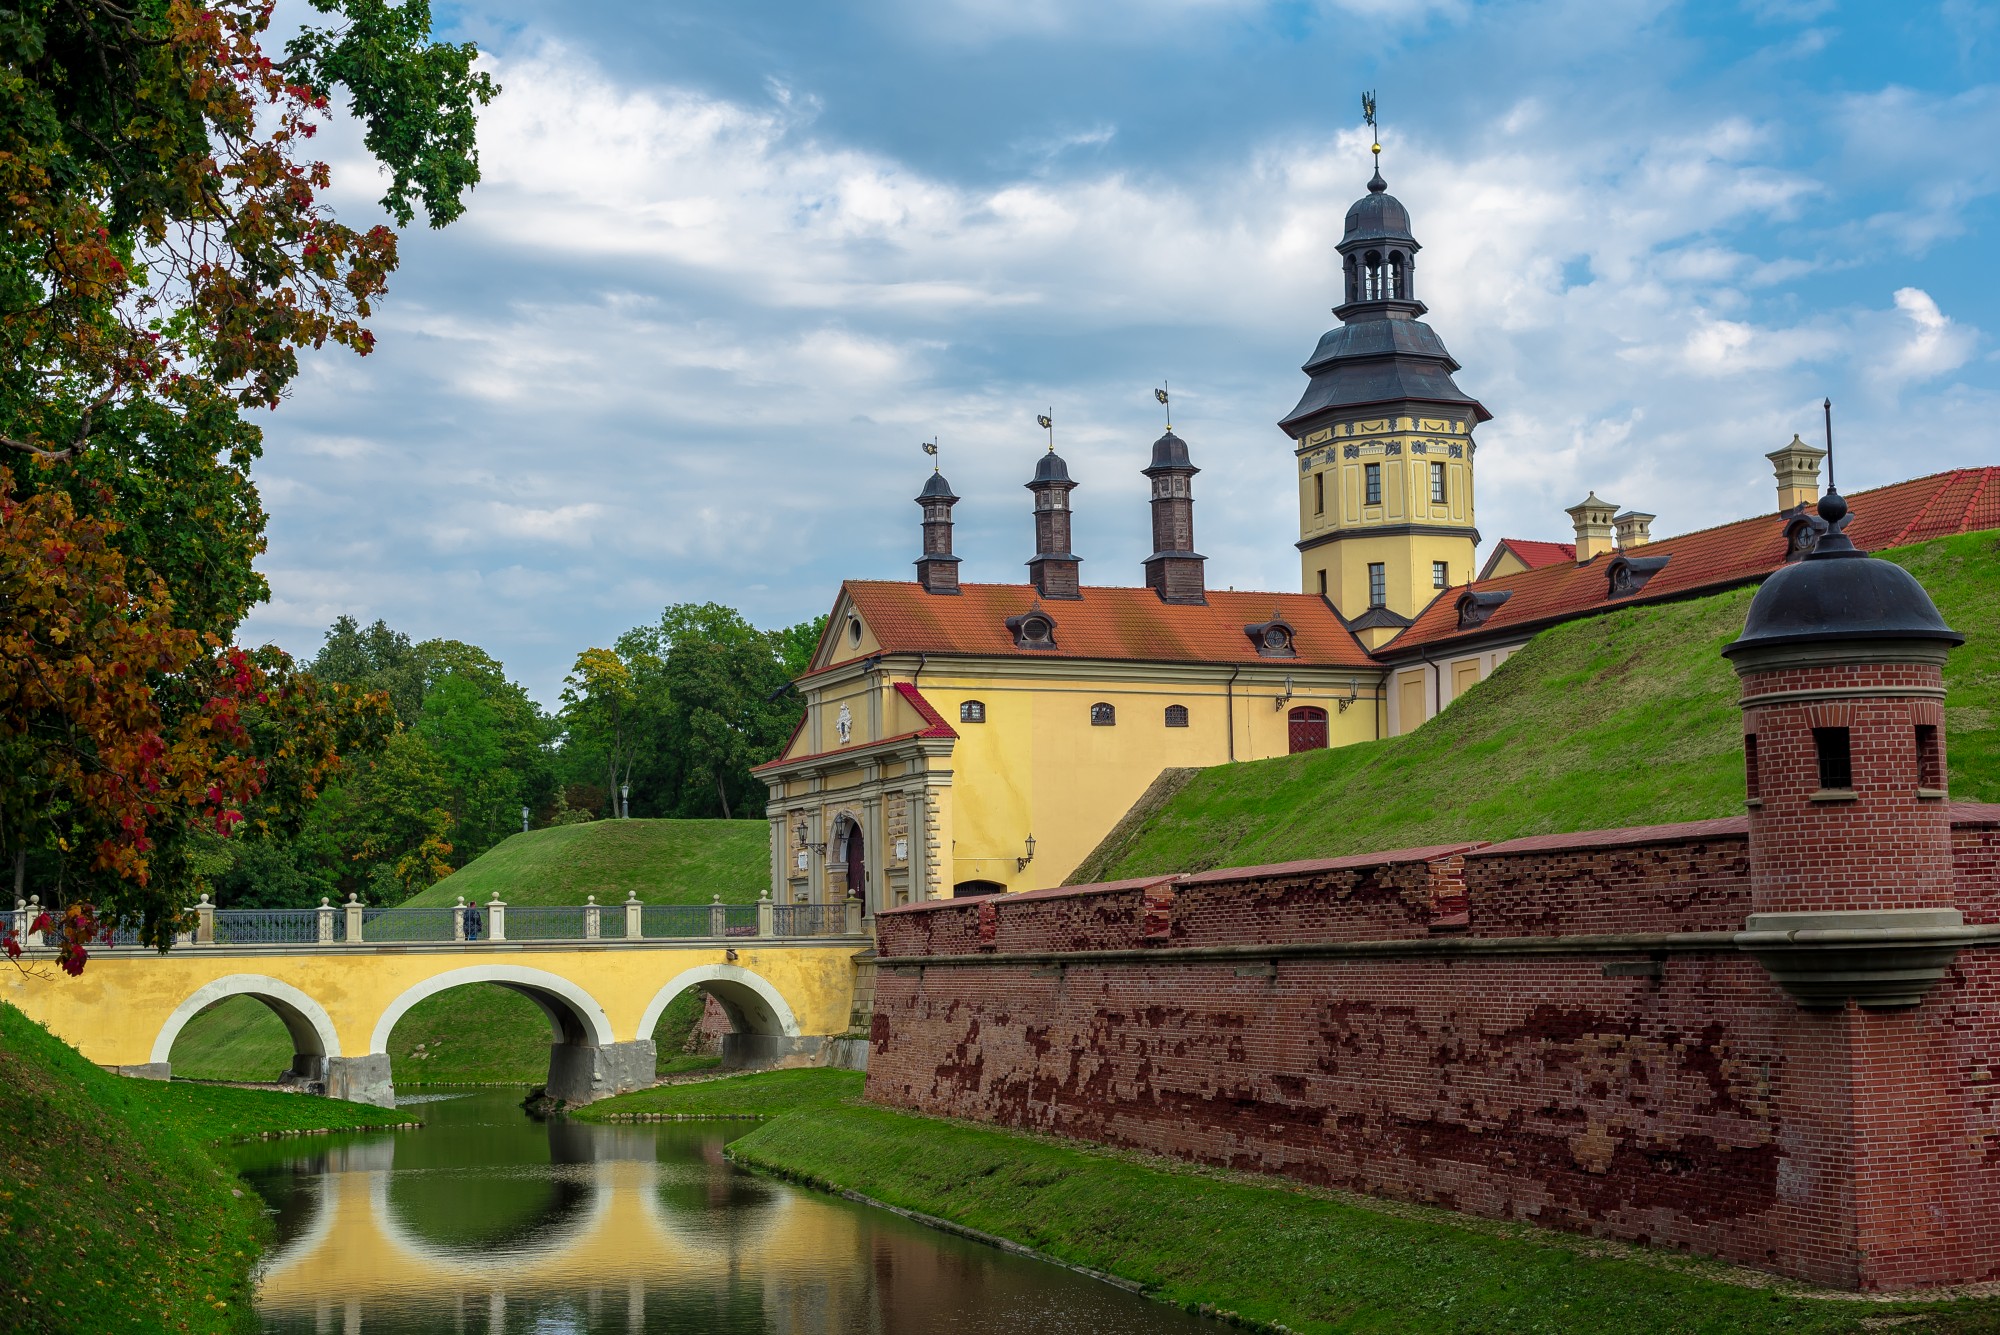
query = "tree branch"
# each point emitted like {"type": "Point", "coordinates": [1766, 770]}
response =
{"type": "Point", "coordinates": [76, 447]}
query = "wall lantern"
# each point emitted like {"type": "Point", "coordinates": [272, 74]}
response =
{"type": "Point", "coordinates": [1285, 699]}
{"type": "Point", "coordinates": [1021, 863]}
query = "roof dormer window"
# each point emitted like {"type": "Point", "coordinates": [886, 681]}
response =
{"type": "Point", "coordinates": [1274, 638]}
{"type": "Point", "coordinates": [1033, 629]}
{"type": "Point", "coordinates": [1626, 575]}
{"type": "Point", "coordinates": [1475, 606]}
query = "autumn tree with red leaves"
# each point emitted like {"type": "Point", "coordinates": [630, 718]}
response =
{"type": "Point", "coordinates": [166, 254]}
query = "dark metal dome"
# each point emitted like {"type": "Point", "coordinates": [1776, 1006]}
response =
{"type": "Point", "coordinates": [1170, 451]}
{"type": "Point", "coordinates": [1378, 216]}
{"type": "Point", "coordinates": [1840, 593]}
{"type": "Point", "coordinates": [936, 489]}
{"type": "Point", "coordinates": [1051, 468]}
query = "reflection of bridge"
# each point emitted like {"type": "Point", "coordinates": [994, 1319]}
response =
{"type": "Point", "coordinates": [786, 997]}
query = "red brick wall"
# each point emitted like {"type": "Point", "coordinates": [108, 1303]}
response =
{"type": "Point", "coordinates": [1701, 1110]}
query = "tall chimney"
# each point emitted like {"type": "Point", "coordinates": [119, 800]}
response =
{"type": "Point", "coordinates": [937, 568]}
{"type": "Point", "coordinates": [1797, 467]}
{"type": "Point", "coordinates": [1054, 567]}
{"type": "Point", "coordinates": [1592, 518]}
{"type": "Point", "coordinates": [1634, 529]}
{"type": "Point", "coordinates": [1174, 570]}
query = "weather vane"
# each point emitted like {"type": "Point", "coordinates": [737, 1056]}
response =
{"type": "Point", "coordinates": [1161, 395]}
{"type": "Point", "coordinates": [1828, 406]}
{"type": "Point", "coordinates": [930, 448]}
{"type": "Point", "coordinates": [1047, 422]}
{"type": "Point", "coordinates": [1368, 114]}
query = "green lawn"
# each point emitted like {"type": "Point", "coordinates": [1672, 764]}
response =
{"type": "Point", "coordinates": [1267, 1251]}
{"type": "Point", "coordinates": [1627, 718]}
{"type": "Point", "coordinates": [663, 861]}
{"type": "Point", "coordinates": [113, 1214]}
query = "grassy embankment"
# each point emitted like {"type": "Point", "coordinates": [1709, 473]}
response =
{"type": "Point", "coordinates": [1273, 1253]}
{"type": "Point", "coordinates": [1628, 718]}
{"type": "Point", "coordinates": [486, 1033]}
{"type": "Point", "coordinates": [113, 1214]}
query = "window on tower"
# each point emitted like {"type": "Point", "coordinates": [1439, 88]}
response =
{"type": "Point", "coordinates": [1440, 575]}
{"type": "Point", "coordinates": [1372, 276]}
{"type": "Point", "coordinates": [1437, 484]}
{"type": "Point", "coordinates": [1397, 283]}
{"type": "Point", "coordinates": [1378, 584]}
{"type": "Point", "coordinates": [1371, 477]}
{"type": "Point", "coordinates": [1319, 493]}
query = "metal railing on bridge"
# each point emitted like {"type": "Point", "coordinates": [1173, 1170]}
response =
{"type": "Point", "coordinates": [355, 923]}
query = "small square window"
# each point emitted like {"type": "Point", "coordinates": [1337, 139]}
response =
{"type": "Point", "coordinates": [1378, 584]}
{"type": "Point", "coordinates": [1102, 715]}
{"type": "Point", "coordinates": [1371, 475]}
{"type": "Point", "coordinates": [972, 711]}
{"type": "Point", "coordinates": [1440, 575]}
{"type": "Point", "coordinates": [1177, 716]}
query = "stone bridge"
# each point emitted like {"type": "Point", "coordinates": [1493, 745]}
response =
{"type": "Point", "coordinates": [340, 978]}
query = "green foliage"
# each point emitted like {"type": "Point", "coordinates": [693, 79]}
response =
{"type": "Point", "coordinates": [113, 1214]}
{"type": "Point", "coordinates": [1269, 1251]}
{"type": "Point", "coordinates": [1628, 718]}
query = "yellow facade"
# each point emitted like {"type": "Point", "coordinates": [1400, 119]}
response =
{"type": "Point", "coordinates": [1369, 494]}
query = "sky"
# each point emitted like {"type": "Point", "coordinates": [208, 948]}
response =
{"type": "Point", "coordinates": [730, 264]}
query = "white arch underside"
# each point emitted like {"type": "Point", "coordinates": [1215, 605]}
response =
{"type": "Point", "coordinates": [546, 988]}
{"type": "Point", "coordinates": [305, 1018]}
{"type": "Point", "coordinates": [764, 1011]}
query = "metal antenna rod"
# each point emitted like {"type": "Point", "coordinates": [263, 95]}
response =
{"type": "Point", "coordinates": [1828, 406]}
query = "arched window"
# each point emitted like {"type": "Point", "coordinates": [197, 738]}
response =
{"type": "Point", "coordinates": [1397, 281]}
{"type": "Point", "coordinates": [1102, 715]}
{"type": "Point", "coordinates": [972, 711]}
{"type": "Point", "coordinates": [1177, 716]}
{"type": "Point", "coordinates": [1371, 276]}
{"type": "Point", "coordinates": [974, 889]}
{"type": "Point", "coordinates": [1353, 278]}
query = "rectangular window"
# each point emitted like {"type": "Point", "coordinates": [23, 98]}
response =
{"type": "Point", "coordinates": [1930, 760]}
{"type": "Point", "coordinates": [1371, 475]}
{"type": "Point", "coordinates": [1322, 584]}
{"type": "Point", "coordinates": [1437, 484]}
{"type": "Point", "coordinates": [1750, 780]}
{"type": "Point", "coordinates": [1378, 582]}
{"type": "Point", "coordinates": [1440, 575]}
{"type": "Point", "coordinates": [1319, 493]}
{"type": "Point", "coordinates": [1836, 759]}
{"type": "Point", "coordinates": [1177, 716]}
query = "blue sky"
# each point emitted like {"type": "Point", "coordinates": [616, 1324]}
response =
{"type": "Point", "coordinates": [732, 262]}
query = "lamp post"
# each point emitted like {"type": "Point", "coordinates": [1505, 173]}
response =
{"type": "Point", "coordinates": [524, 820]}
{"type": "Point", "coordinates": [625, 801]}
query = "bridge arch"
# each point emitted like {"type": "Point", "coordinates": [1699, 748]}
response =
{"type": "Point", "coordinates": [313, 1036]}
{"type": "Point", "coordinates": [575, 1017]}
{"type": "Point", "coordinates": [753, 1005]}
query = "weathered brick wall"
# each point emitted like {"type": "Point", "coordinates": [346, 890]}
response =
{"type": "Point", "coordinates": [1700, 1109]}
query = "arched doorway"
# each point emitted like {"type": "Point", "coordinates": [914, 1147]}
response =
{"type": "Point", "coordinates": [1307, 726]}
{"type": "Point", "coordinates": [856, 858]}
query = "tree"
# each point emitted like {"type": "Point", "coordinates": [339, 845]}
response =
{"type": "Point", "coordinates": [600, 711]}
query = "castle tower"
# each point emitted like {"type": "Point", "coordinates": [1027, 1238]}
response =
{"type": "Point", "coordinates": [1383, 439]}
{"type": "Point", "coordinates": [1175, 569]}
{"type": "Point", "coordinates": [1053, 569]}
{"type": "Point", "coordinates": [937, 568]}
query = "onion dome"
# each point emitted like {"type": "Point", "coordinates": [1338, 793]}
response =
{"type": "Point", "coordinates": [1837, 594]}
{"type": "Point", "coordinates": [1051, 468]}
{"type": "Point", "coordinates": [1378, 216]}
{"type": "Point", "coordinates": [936, 489]}
{"type": "Point", "coordinates": [1170, 451]}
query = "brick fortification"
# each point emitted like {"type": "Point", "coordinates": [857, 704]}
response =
{"type": "Point", "coordinates": [1774, 1039]}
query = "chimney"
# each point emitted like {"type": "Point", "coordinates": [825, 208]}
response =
{"type": "Point", "coordinates": [1054, 567]}
{"type": "Point", "coordinates": [937, 568]}
{"type": "Point", "coordinates": [1634, 529]}
{"type": "Point", "coordinates": [1592, 518]}
{"type": "Point", "coordinates": [1797, 467]}
{"type": "Point", "coordinates": [1174, 570]}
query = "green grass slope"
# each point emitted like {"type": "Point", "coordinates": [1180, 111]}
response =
{"type": "Point", "coordinates": [113, 1215]}
{"type": "Point", "coordinates": [1626, 718]}
{"type": "Point", "coordinates": [664, 861]}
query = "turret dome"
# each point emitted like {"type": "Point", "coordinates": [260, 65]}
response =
{"type": "Point", "coordinates": [1051, 468]}
{"type": "Point", "coordinates": [937, 489]}
{"type": "Point", "coordinates": [1170, 451]}
{"type": "Point", "coordinates": [1378, 216]}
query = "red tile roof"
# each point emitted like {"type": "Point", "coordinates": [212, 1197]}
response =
{"type": "Point", "coordinates": [1533, 554]}
{"type": "Point", "coordinates": [1106, 623]}
{"type": "Point", "coordinates": [925, 711]}
{"type": "Point", "coordinates": [934, 726]}
{"type": "Point", "coordinates": [1961, 501]}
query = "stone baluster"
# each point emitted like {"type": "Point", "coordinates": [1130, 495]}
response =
{"type": "Point", "coordinates": [353, 907]}
{"type": "Point", "coordinates": [718, 918]}
{"type": "Point", "coordinates": [853, 923]}
{"type": "Point", "coordinates": [326, 912]}
{"type": "Point", "coordinates": [767, 915]}
{"type": "Point", "coordinates": [19, 925]}
{"type": "Point", "coordinates": [30, 938]}
{"type": "Point", "coordinates": [204, 922]}
{"type": "Point", "coordinates": [458, 920]}
{"type": "Point", "coordinates": [496, 918]}
{"type": "Point", "coordinates": [591, 923]}
{"type": "Point", "coordinates": [635, 920]}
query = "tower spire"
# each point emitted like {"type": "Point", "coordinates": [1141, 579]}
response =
{"type": "Point", "coordinates": [1375, 184]}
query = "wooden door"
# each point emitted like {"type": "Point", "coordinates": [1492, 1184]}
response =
{"type": "Point", "coordinates": [1308, 729]}
{"type": "Point", "coordinates": [857, 869]}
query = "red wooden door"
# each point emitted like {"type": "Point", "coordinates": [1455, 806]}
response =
{"type": "Point", "coordinates": [857, 873]}
{"type": "Point", "coordinates": [1308, 729]}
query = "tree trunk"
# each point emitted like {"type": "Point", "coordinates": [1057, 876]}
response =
{"type": "Point", "coordinates": [722, 793]}
{"type": "Point", "coordinates": [20, 872]}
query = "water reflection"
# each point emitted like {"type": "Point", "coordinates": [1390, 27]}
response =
{"type": "Point", "coordinates": [488, 1222]}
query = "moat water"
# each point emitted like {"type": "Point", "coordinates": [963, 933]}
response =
{"type": "Point", "coordinates": [486, 1221]}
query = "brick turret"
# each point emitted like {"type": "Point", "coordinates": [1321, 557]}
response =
{"type": "Point", "coordinates": [1174, 570]}
{"type": "Point", "coordinates": [1054, 567]}
{"type": "Point", "coordinates": [937, 568]}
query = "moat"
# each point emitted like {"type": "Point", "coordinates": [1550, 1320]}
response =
{"type": "Point", "coordinates": [487, 1221]}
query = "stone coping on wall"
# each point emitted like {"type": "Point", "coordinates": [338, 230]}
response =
{"type": "Point", "coordinates": [1027, 896]}
{"type": "Point", "coordinates": [1974, 814]}
{"type": "Point", "coordinates": [1306, 867]}
{"type": "Point", "coordinates": [1681, 832]}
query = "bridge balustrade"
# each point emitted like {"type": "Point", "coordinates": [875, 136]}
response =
{"type": "Point", "coordinates": [810, 919]}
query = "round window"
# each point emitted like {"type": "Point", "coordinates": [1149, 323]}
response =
{"type": "Point", "coordinates": [854, 630]}
{"type": "Point", "coordinates": [1035, 628]}
{"type": "Point", "coordinates": [1276, 638]}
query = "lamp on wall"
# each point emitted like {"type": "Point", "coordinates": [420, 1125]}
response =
{"type": "Point", "coordinates": [1281, 701]}
{"type": "Point", "coordinates": [1021, 863]}
{"type": "Point", "coordinates": [1353, 694]}
{"type": "Point", "coordinates": [799, 833]}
